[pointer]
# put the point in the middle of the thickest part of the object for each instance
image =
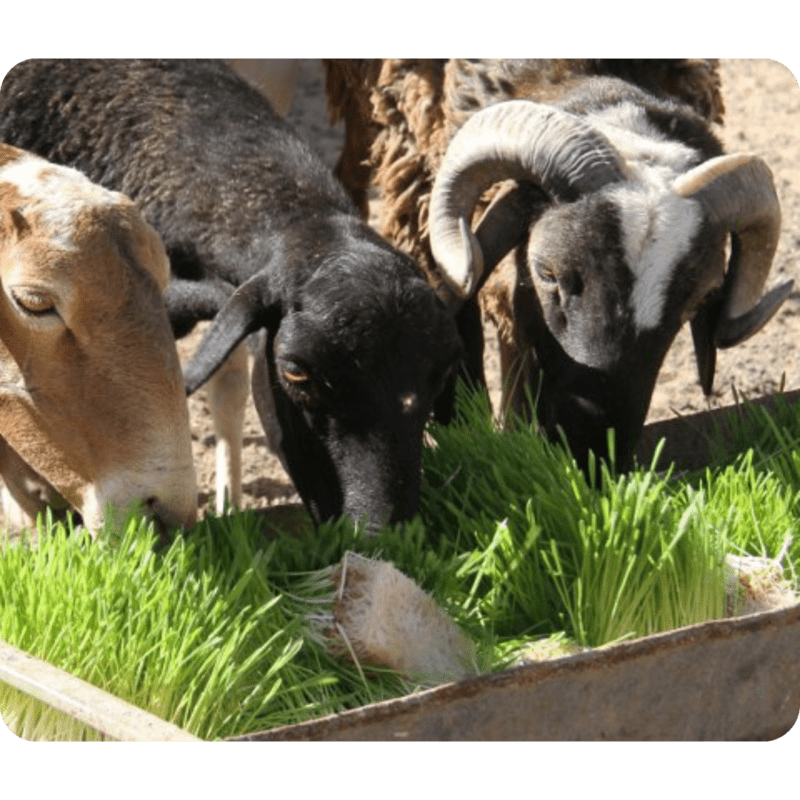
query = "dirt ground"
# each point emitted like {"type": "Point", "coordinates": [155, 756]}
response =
{"type": "Point", "coordinates": [762, 116]}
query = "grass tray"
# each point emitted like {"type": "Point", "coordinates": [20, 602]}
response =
{"type": "Point", "coordinates": [724, 680]}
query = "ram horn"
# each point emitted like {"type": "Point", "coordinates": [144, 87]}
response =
{"type": "Point", "coordinates": [737, 193]}
{"type": "Point", "coordinates": [517, 139]}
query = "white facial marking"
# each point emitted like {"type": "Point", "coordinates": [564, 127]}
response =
{"type": "Point", "coordinates": [38, 182]}
{"type": "Point", "coordinates": [657, 226]}
{"type": "Point", "coordinates": [657, 232]}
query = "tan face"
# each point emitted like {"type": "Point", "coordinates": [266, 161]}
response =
{"type": "Point", "coordinates": [91, 393]}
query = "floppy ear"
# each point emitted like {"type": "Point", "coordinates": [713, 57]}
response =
{"type": "Point", "coordinates": [506, 223]}
{"type": "Point", "coordinates": [703, 325]}
{"type": "Point", "coordinates": [249, 308]}
{"type": "Point", "coordinates": [24, 432]}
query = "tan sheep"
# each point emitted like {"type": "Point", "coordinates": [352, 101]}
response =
{"type": "Point", "coordinates": [93, 412]}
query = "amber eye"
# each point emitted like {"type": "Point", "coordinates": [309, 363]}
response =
{"type": "Point", "coordinates": [299, 385]}
{"type": "Point", "coordinates": [295, 377]}
{"type": "Point", "coordinates": [33, 302]}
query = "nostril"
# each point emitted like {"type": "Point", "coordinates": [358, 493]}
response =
{"type": "Point", "coordinates": [154, 511]}
{"type": "Point", "coordinates": [163, 528]}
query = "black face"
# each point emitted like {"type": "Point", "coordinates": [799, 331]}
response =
{"type": "Point", "coordinates": [585, 402]}
{"type": "Point", "coordinates": [355, 369]}
{"type": "Point", "coordinates": [575, 305]}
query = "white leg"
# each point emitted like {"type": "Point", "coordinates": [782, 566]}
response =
{"type": "Point", "coordinates": [227, 392]}
{"type": "Point", "coordinates": [15, 516]}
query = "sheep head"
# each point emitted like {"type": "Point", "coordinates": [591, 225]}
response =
{"type": "Point", "coordinates": [347, 368]}
{"type": "Point", "coordinates": [90, 386]}
{"type": "Point", "coordinates": [626, 244]}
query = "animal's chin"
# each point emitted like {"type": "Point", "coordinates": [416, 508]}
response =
{"type": "Point", "coordinates": [391, 514]}
{"type": "Point", "coordinates": [591, 427]}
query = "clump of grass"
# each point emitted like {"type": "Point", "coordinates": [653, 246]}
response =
{"type": "Point", "coordinates": [212, 633]}
{"type": "Point", "coordinates": [753, 482]}
{"type": "Point", "coordinates": [194, 633]}
{"type": "Point", "coordinates": [757, 507]}
{"type": "Point", "coordinates": [548, 550]}
{"type": "Point", "coordinates": [209, 633]}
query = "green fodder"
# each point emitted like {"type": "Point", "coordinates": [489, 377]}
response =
{"type": "Point", "coordinates": [215, 632]}
{"type": "Point", "coordinates": [753, 482]}
{"type": "Point", "coordinates": [544, 549]}
{"type": "Point", "coordinates": [198, 639]}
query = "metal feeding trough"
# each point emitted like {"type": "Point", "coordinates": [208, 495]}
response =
{"type": "Point", "coordinates": [734, 679]}
{"type": "Point", "coordinates": [725, 680]}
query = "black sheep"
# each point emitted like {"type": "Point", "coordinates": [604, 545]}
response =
{"type": "Point", "coordinates": [260, 237]}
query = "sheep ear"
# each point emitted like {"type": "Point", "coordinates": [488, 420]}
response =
{"type": "Point", "coordinates": [248, 309]}
{"type": "Point", "coordinates": [506, 223]}
{"type": "Point", "coordinates": [710, 332]}
{"type": "Point", "coordinates": [23, 431]}
{"type": "Point", "coordinates": [147, 249]}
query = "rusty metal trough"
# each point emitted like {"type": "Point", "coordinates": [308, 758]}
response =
{"type": "Point", "coordinates": [727, 680]}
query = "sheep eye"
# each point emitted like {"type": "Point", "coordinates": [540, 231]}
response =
{"type": "Point", "coordinates": [299, 385]}
{"type": "Point", "coordinates": [546, 273]}
{"type": "Point", "coordinates": [295, 377]}
{"type": "Point", "coordinates": [35, 303]}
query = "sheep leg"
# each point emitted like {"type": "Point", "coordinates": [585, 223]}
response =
{"type": "Point", "coordinates": [275, 78]}
{"type": "Point", "coordinates": [227, 392]}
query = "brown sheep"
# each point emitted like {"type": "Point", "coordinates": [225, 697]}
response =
{"type": "Point", "coordinates": [93, 412]}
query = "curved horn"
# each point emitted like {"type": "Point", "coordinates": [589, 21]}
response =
{"type": "Point", "coordinates": [737, 192]}
{"type": "Point", "coordinates": [515, 139]}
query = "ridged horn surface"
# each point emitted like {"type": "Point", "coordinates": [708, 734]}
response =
{"type": "Point", "coordinates": [516, 139]}
{"type": "Point", "coordinates": [737, 192]}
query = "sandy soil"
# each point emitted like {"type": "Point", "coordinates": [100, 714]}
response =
{"type": "Point", "coordinates": [762, 116]}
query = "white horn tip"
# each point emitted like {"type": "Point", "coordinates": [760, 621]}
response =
{"type": "Point", "coordinates": [460, 260]}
